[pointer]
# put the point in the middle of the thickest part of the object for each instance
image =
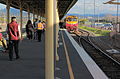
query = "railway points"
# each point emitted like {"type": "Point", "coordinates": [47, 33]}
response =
{"type": "Point", "coordinates": [114, 74]}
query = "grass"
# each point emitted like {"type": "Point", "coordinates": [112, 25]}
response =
{"type": "Point", "coordinates": [97, 32]}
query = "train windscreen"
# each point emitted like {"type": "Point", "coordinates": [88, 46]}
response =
{"type": "Point", "coordinates": [72, 19]}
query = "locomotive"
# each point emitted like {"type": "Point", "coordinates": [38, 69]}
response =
{"type": "Point", "coordinates": [71, 23]}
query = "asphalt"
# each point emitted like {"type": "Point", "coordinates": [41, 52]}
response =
{"type": "Point", "coordinates": [30, 65]}
{"type": "Point", "coordinates": [61, 65]}
{"type": "Point", "coordinates": [79, 69]}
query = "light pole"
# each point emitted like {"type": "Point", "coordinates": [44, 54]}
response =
{"type": "Point", "coordinates": [99, 7]}
{"type": "Point", "coordinates": [84, 9]}
{"type": "Point", "coordinates": [117, 19]}
{"type": "Point", "coordinates": [94, 13]}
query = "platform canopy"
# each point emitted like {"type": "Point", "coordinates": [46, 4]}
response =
{"type": "Point", "coordinates": [113, 2]}
{"type": "Point", "coordinates": [39, 5]}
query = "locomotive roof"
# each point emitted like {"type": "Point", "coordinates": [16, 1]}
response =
{"type": "Point", "coordinates": [72, 16]}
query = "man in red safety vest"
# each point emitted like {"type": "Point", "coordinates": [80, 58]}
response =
{"type": "Point", "coordinates": [13, 33]}
{"type": "Point", "coordinates": [40, 28]}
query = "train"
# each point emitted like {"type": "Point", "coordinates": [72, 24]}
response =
{"type": "Point", "coordinates": [71, 23]}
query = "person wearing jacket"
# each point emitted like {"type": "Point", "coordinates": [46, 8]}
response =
{"type": "Point", "coordinates": [13, 34]}
{"type": "Point", "coordinates": [3, 41]}
{"type": "Point", "coordinates": [40, 28]}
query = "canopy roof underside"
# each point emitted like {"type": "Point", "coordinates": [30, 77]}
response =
{"type": "Point", "coordinates": [39, 5]}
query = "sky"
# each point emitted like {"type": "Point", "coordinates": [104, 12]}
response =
{"type": "Point", "coordinates": [100, 8]}
{"type": "Point", "coordinates": [2, 6]}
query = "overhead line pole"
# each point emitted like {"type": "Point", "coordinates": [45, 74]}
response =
{"type": "Point", "coordinates": [117, 12]}
{"type": "Point", "coordinates": [84, 9]}
{"type": "Point", "coordinates": [94, 12]}
{"type": "Point", "coordinates": [21, 17]}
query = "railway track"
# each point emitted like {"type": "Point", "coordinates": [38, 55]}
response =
{"type": "Point", "coordinates": [109, 65]}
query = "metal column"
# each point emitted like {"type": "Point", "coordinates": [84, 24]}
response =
{"type": "Point", "coordinates": [41, 18]}
{"type": "Point", "coordinates": [37, 12]}
{"type": "Point", "coordinates": [33, 15]}
{"type": "Point", "coordinates": [8, 11]}
{"type": "Point", "coordinates": [28, 12]}
{"type": "Point", "coordinates": [21, 21]}
{"type": "Point", "coordinates": [57, 30]}
{"type": "Point", "coordinates": [37, 15]}
{"type": "Point", "coordinates": [49, 40]}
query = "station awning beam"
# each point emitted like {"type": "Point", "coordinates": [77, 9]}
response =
{"type": "Point", "coordinates": [8, 10]}
{"type": "Point", "coordinates": [112, 2]}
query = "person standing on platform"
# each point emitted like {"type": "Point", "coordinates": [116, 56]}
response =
{"type": "Point", "coordinates": [40, 28]}
{"type": "Point", "coordinates": [44, 26]}
{"type": "Point", "coordinates": [35, 28]}
{"type": "Point", "coordinates": [29, 30]}
{"type": "Point", "coordinates": [3, 41]}
{"type": "Point", "coordinates": [13, 33]}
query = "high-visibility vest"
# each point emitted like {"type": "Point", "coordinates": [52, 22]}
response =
{"type": "Point", "coordinates": [40, 26]}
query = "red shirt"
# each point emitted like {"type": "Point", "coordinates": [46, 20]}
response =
{"type": "Point", "coordinates": [13, 31]}
{"type": "Point", "coordinates": [1, 36]}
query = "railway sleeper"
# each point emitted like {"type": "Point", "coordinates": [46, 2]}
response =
{"type": "Point", "coordinates": [110, 69]}
{"type": "Point", "coordinates": [106, 63]}
{"type": "Point", "coordinates": [113, 75]}
{"type": "Point", "coordinates": [98, 55]}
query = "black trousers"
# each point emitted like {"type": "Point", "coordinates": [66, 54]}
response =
{"type": "Point", "coordinates": [29, 34]}
{"type": "Point", "coordinates": [13, 44]}
{"type": "Point", "coordinates": [39, 32]}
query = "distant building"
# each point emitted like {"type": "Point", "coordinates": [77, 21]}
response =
{"type": "Point", "coordinates": [112, 18]}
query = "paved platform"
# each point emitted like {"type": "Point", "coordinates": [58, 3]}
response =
{"type": "Point", "coordinates": [61, 65]}
{"type": "Point", "coordinates": [29, 66]}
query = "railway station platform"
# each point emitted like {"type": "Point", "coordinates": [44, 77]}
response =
{"type": "Point", "coordinates": [73, 62]}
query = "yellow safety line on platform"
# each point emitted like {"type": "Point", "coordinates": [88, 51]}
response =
{"type": "Point", "coordinates": [68, 60]}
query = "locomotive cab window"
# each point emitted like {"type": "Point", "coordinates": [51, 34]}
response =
{"type": "Point", "coordinates": [72, 19]}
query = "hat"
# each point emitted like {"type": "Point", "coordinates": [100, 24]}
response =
{"type": "Point", "coordinates": [13, 17]}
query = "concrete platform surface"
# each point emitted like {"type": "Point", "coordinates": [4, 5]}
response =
{"type": "Point", "coordinates": [29, 66]}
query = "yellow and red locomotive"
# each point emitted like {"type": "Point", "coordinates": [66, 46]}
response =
{"type": "Point", "coordinates": [71, 23]}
